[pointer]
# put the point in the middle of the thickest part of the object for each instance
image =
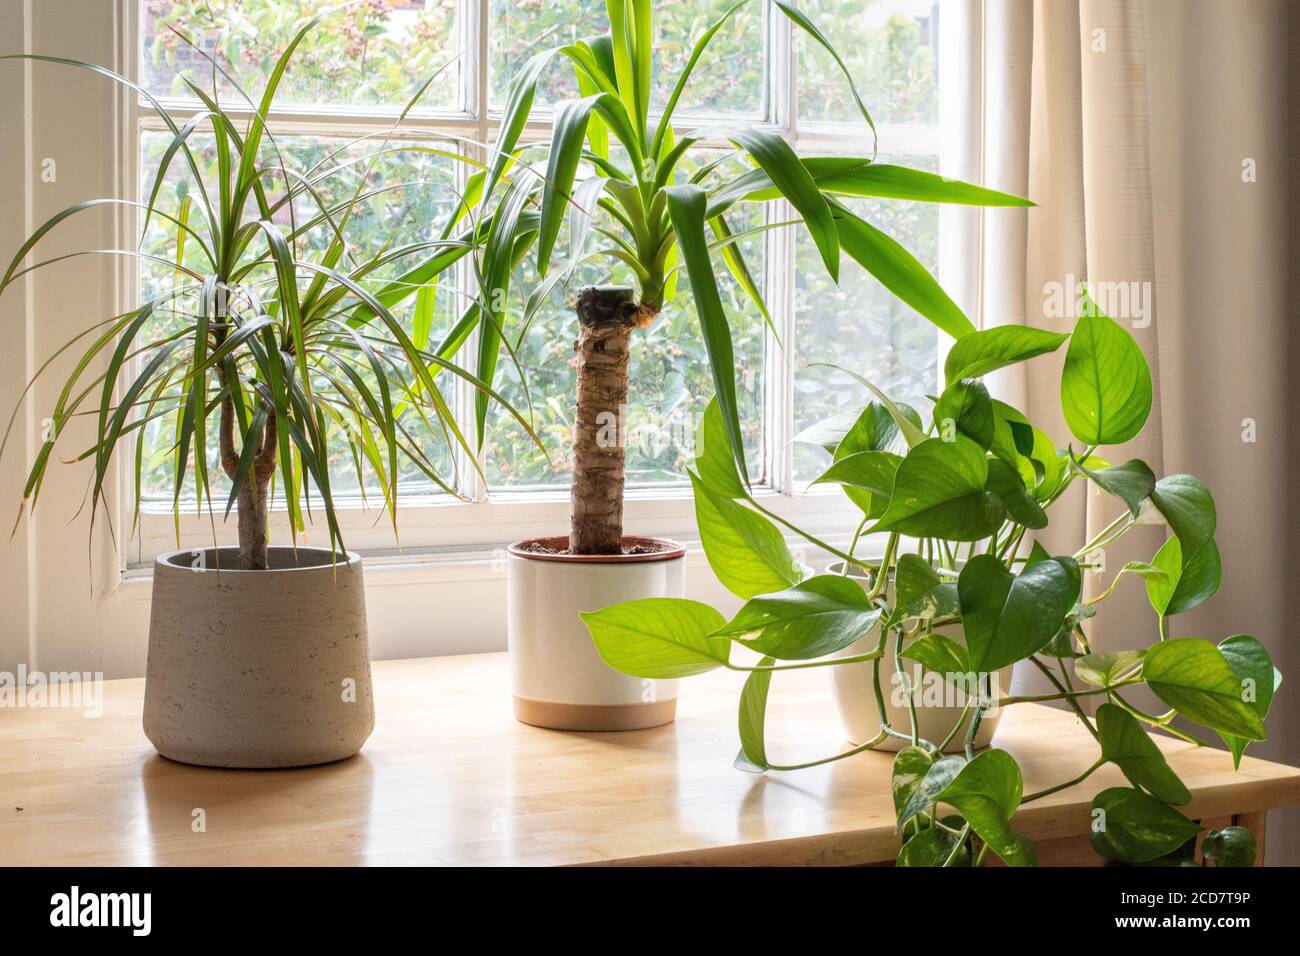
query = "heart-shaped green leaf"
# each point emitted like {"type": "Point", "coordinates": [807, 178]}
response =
{"type": "Point", "coordinates": [1231, 846]}
{"type": "Point", "coordinates": [1184, 584]}
{"type": "Point", "coordinates": [1250, 662]}
{"type": "Point", "coordinates": [1189, 508]}
{"type": "Point", "coordinates": [871, 429]}
{"type": "Point", "coordinates": [875, 430]}
{"type": "Point", "coordinates": [660, 638]}
{"type": "Point", "coordinates": [940, 655]}
{"type": "Point", "coordinates": [1194, 677]}
{"type": "Point", "coordinates": [1007, 616]}
{"type": "Point", "coordinates": [1106, 383]}
{"type": "Point", "coordinates": [1037, 555]}
{"type": "Point", "coordinates": [941, 773]}
{"type": "Point", "coordinates": [1131, 482]}
{"type": "Point", "coordinates": [932, 847]}
{"type": "Point", "coordinates": [939, 492]}
{"type": "Point", "coordinates": [1135, 827]}
{"type": "Point", "coordinates": [1107, 668]}
{"type": "Point", "coordinates": [1009, 487]}
{"type": "Point", "coordinates": [978, 353]}
{"type": "Point", "coordinates": [911, 764]}
{"type": "Point", "coordinates": [920, 593]}
{"type": "Point", "coordinates": [1013, 440]}
{"type": "Point", "coordinates": [987, 793]}
{"type": "Point", "coordinates": [905, 418]}
{"type": "Point", "coordinates": [745, 550]}
{"type": "Point", "coordinates": [867, 478]}
{"type": "Point", "coordinates": [818, 617]}
{"type": "Point", "coordinates": [965, 407]}
{"type": "Point", "coordinates": [714, 463]}
{"type": "Point", "coordinates": [1125, 744]}
{"type": "Point", "coordinates": [753, 716]}
{"type": "Point", "coordinates": [1050, 466]}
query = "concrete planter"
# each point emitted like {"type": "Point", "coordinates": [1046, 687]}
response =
{"type": "Point", "coordinates": [559, 680]}
{"type": "Point", "coordinates": [258, 668]}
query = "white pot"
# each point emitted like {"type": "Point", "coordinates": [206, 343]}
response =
{"type": "Point", "coordinates": [558, 677]}
{"type": "Point", "coordinates": [258, 668]}
{"type": "Point", "coordinates": [938, 704]}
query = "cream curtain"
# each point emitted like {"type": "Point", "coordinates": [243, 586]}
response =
{"type": "Point", "coordinates": [1153, 136]}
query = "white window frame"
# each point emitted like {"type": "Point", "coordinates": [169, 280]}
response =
{"type": "Point", "coordinates": [432, 527]}
{"type": "Point", "coordinates": [79, 604]}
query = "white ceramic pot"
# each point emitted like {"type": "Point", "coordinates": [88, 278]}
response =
{"type": "Point", "coordinates": [258, 668]}
{"type": "Point", "coordinates": [559, 680]}
{"type": "Point", "coordinates": [938, 704]}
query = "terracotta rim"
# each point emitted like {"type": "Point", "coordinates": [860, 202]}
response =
{"type": "Point", "coordinates": [669, 549]}
{"type": "Point", "coordinates": [167, 560]}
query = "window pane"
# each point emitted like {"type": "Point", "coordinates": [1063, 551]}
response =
{"type": "Point", "coordinates": [670, 384]}
{"type": "Point", "coordinates": [729, 78]}
{"type": "Point", "coordinates": [860, 325]}
{"type": "Point", "coordinates": [365, 54]}
{"type": "Point", "coordinates": [891, 50]}
{"type": "Point", "coordinates": [409, 212]}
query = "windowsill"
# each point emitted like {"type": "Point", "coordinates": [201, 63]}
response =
{"type": "Point", "coordinates": [440, 530]}
{"type": "Point", "coordinates": [450, 563]}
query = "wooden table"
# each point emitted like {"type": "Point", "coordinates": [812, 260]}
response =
{"type": "Point", "coordinates": [450, 777]}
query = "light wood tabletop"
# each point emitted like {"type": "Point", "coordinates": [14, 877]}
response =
{"type": "Point", "coordinates": [450, 777]}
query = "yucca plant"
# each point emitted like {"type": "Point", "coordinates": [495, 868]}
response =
{"type": "Point", "coordinates": [623, 174]}
{"type": "Point", "coordinates": [287, 349]}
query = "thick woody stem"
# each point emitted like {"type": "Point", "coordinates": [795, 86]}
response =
{"type": "Point", "coordinates": [606, 317]}
{"type": "Point", "coordinates": [252, 498]}
{"type": "Point", "coordinates": [252, 526]}
{"type": "Point", "coordinates": [226, 433]}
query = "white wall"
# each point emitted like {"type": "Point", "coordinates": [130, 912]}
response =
{"type": "Point", "coordinates": [13, 338]}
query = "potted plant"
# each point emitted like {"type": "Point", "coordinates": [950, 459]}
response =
{"type": "Point", "coordinates": [909, 695]}
{"type": "Point", "coordinates": [967, 490]}
{"type": "Point", "coordinates": [270, 354]}
{"type": "Point", "coordinates": [608, 160]}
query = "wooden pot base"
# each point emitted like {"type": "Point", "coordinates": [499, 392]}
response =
{"type": "Point", "coordinates": [594, 717]}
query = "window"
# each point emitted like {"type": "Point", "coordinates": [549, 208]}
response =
{"type": "Point", "coordinates": [357, 69]}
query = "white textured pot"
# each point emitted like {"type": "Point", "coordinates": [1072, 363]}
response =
{"type": "Point", "coordinates": [558, 678]}
{"type": "Point", "coordinates": [938, 706]}
{"type": "Point", "coordinates": [258, 668]}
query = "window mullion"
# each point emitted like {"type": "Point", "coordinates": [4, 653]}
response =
{"type": "Point", "coordinates": [778, 274]}
{"type": "Point", "coordinates": [778, 372]}
{"type": "Point", "coordinates": [780, 108]}
{"type": "Point", "coordinates": [480, 57]}
{"type": "Point", "coordinates": [481, 76]}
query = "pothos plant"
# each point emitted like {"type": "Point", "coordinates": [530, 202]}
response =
{"type": "Point", "coordinates": [659, 202]}
{"type": "Point", "coordinates": [278, 326]}
{"type": "Point", "coordinates": [964, 489]}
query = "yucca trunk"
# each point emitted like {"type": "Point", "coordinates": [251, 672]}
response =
{"type": "Point", "coordinates": [606, 317]}
{"type": "Point", "coordinates": [253, 493]}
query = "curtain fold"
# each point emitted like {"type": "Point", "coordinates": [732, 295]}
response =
{"type": "Point", "coordinates": [1153, 137]}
